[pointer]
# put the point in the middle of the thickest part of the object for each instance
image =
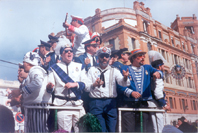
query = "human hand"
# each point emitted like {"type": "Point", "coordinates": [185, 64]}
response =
{"type": "Point", "coordinates": [135, 94]}
{"type": "Point", "coordinates": [66, 25]}
{"type": "Point", "coordinates": [156, 75]}
{"type": "Point", "coordinates": [87, 61]}
{"type": "Point", "coordinates": [50, 86]}
{"type": "Point", "coordinates": [126, 74]}
{"type": "Point", "coordinates": [71, 85]}
{"type": "Point", "coordinates": [167, 108]}
{"type": "Point", "coordinates": [47, 59]}
{"type": "Point", "coordinates": [98, 83]}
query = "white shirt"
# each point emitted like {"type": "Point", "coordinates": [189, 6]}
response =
{"type": "Point", "coordinates": [81, 35]}
{"type": "Point", "coordinates": [74, 72]}
{"type": "Point", "coordinates": [111, 76]}
{"type": "Point", "coordinates": [34, 87]}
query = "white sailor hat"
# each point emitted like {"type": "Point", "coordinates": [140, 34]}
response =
{"type": "Point", "coordinates": [95, 37]}
{"type": "Point", "coordinates": [33, 58]}
{"type": "Point", "coordinates": [77, 18]}
{"type": "Point", "coordinates": [63, 43]}
{"type": "Point", "coordinates": [103, 50]}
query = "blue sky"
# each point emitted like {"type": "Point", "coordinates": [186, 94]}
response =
{"type": "Point", "coordinates": [23, 23]}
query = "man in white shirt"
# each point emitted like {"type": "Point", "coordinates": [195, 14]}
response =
{"type": "Point", "coordinates": [65, 80]}
{"type": "Point", "coordinates": [81, 34]}
{"type": "Point", "coordinates": [101, 83]}
{"type": "Point", "coordinates": [34, 94]}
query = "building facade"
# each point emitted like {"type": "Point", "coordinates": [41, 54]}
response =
{"type": "Point", "coordinates": [135, 28]}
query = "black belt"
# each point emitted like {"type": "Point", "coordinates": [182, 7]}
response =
{"type": "Point", "coordinates": [66, 98]}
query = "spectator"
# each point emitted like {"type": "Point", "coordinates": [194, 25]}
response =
{"type": "Point", "coordinates": [7, 122]}
{"type": "Point", "coordinates": [184, 126]}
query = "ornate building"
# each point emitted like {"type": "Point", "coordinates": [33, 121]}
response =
{"type": "Point", "coordinates": [135, 28]}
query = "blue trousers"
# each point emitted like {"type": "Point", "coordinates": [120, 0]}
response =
{"type": "Point", "coordinates": [106, 112]}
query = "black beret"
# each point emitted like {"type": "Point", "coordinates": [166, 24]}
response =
{"type": "Point", "coordinates": [53, 38]}
{"type": "Point", "coordinates": [114, 52]}
{"type": "Point", "coordinates": [156, 63]}
{"type": "Point", "coordinates": [44, 44]}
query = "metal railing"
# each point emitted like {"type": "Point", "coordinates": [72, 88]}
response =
{"type": "Point", "coordinates": [136, 109]}
{"type": "Point", "coordinates": [55, 108]}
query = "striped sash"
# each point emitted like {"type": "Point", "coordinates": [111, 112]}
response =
{"type": "Point", "coordinates": [66, 79]}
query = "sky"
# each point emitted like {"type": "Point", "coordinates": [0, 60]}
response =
{"type": "Point", "coordinates": [23, 23]}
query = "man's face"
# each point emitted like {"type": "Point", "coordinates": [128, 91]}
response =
{"type": "Point", "coordinates": [42, 50]}
{"type": "Point", "coordinates": [104, 59]}
{"type": "Point", "coordinates": [53, 45]}
{"type": "Point", "coordinates": [74, 23]}
{"type": "Point", "coordinates": [22, 73]}
{"type": "Point", "coordinates": [26, 67]}
{"type": "Point", "coordinates": [179, 122]}
{"type": "Point", "coordinates": [67, 55]}
{"type": "Point", "coordinates": [92, 49]}
{"type": "Point", "coordinates": [125, 57]}
{"type": "Point", "coordinates": [138, 60]}
{"type": "Point", "coordinates": [161, 68]}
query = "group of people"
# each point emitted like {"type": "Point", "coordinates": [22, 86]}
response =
{"type": "Point", "coordinates": [81, 73]}
{"type": "Point", "coordinates": [184, 126]}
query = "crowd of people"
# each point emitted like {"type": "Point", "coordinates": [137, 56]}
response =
{"type": "Point", "coordinates": [185, 126]}
{"type": "Point", "coordinates": [74, 70]}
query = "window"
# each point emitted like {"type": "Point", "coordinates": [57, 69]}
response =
{"type": "Point", "coordinates": [133, 43]}
{"type": "Point", "coordinates": [175, 59]}
{"type": "Point", "coordinates": [191, 104]}
{"type": "Point", "coordinates": [112, 44]}
{"type": "Point", "coordinates": [167, 56]}
{"type": "Point", "coordinates": [192, 48]}
{"type": "Point", "coordinates": [175, 104]}
{"type": "Point", "coordinates": [163, 54]}
{"type": "Point", "coordinates": [145, 26]}
{"type": "Point", "coordinates": [180, 103]}
{"type": "Point", "coordinates": [190, 29]}
{"type": "Point", "coordinates": [183, 104]}
{"type": "Point", "coordinates": [172, 42]}
{"type": "Point", "coordinates": [149, 46]}
{"type": "Point", "coordinates": [194, 105]}
{"type": "Point", "coordinates": [179, 83]}
{"type": "Point", "coordinates": [171, 102]}
{"type": "Point", "coordinates": [196, 65]}
{"type": "Point", "coordinates": [190, 83]}
{"type": "Point", "coordinates": [186, 63]}
{"type": "Point", "coordinates": [184, 49]}
{"type": "Point", "coordinates": [166, 76]}
{"type": "Point", "coordinates": [160, 35]}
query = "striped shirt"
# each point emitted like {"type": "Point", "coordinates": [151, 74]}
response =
{"type": "Point", "coordinates": [138, 77]}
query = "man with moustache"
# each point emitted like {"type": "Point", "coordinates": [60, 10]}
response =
{"type": "Point", "coordinates": [138, 92]}
{"type": "Point", "coordinates": [65, 79]}
{"type": "Point", "coordinates": [101, 85]}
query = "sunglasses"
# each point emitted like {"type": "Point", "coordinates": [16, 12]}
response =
{"type": "Point", "coordinates": [66, 51]}
{"type": "Point", "coordinates": [104, 55]}
{"type": "Point", "coordinates": [140, 55]}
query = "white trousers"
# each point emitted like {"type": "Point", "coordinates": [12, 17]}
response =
{"type": "Point", "coordinates": [68, 118]}
{"type": "Point", "coordinates": [158, 121]}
